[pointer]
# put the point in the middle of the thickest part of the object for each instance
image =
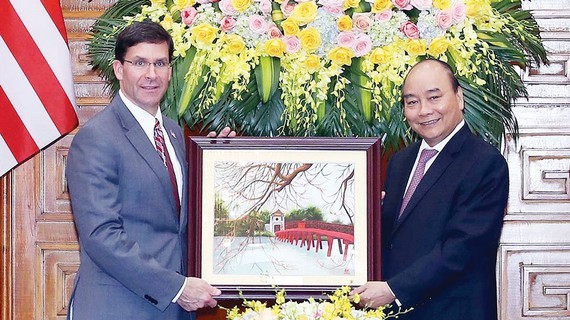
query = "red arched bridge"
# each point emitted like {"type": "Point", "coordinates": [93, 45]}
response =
{"type": "Point", "coordinates": [313, 233]}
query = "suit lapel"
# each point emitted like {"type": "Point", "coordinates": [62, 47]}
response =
{"type": "Point", "coordinates": [443, 160]}
{"type": "Point", "coordinates": [143, 146]}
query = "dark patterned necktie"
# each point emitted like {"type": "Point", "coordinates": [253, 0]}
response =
{"type": "Point", "coordinates": [163, 152]}
{"type": "Point", "coordinates": [417, 177]}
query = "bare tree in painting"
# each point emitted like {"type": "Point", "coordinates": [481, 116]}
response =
{"type": "Point", "coordinates": [283, 185]}
{"type": "Point", "coordinates": [255, 184]}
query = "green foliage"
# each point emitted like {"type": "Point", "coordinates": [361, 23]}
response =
{"type": "Point", "coordinates": [309, 213]}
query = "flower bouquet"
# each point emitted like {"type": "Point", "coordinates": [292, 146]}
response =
{"type": "Point", "coordinates": [338, 306]}
{"type": "Point", "coordinates": [330, 67]}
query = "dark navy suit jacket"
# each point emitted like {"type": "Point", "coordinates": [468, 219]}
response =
{"type": "Point", "coordinates": [439, 257]}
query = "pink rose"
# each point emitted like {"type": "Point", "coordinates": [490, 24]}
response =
{"type": "Point", "coordinates": [257, 24]}
{"type": "Point", "coordinates": [444, 19]}
{"type": "Point", "coordinates": [292, 44]}
{"type": "Point", "coordinates": [265, 6]}
{"type": "Point", "coordinates": [383, 16]}
{"type": "Point", "coordinates": [421, 4]}
{"type": "Point", "coordinates": [362, 45]}
{"type": "Point", "coordinates": [227, 8]}
{"type": "Point", "coordinates": [334, 10]}
{"type": "Point", "coordinates": [410, 30]}
{"type": "Point", "coordinates": [361, 21]}
{"type": "Point", "coordinates": [458, 11]}
{"type": "Point", "coordinates": [188, 15]}
{"type": "Point", "coordinates": [346, 39]}
{"type": "Point", "coordinates": [287, 7]}
{"type": "Point", "coordinates": [274, 32]}
{"type": "Point", "coordinates": [402, 4]}
{"type": "Point", "coordinates": [227, 24]}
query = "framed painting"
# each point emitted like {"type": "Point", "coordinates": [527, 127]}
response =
{"type": "Point", "coordinates": [301, 214]}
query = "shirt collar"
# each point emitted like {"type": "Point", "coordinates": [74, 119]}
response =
{"type": "Point", "coordinates": [443, 142]}
{"type": "Point", "coordinates": [145, 119]}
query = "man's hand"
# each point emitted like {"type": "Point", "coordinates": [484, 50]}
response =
{"type": "Point", "coordinates": [226, 132]}
{"type": "Point", "coordinates": [374, 294]}
{"type": "Point", "coordinates": [197, 294]}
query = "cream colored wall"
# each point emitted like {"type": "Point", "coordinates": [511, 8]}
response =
{"type": "Point", "coordinates": [534, 256]}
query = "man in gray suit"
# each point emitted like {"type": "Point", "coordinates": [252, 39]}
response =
{"type": "Point", "coordinates": [129, 200]}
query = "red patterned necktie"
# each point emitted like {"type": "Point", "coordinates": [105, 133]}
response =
{"type": "Point", "coordinates": [163, 152]}
{"type": "Point", "coordinates": [417, 177]}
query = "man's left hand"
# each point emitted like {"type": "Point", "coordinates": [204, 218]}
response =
{"type": "Point", "coordinates": [374, 294]}
{"type": "Point", "coordinates": [226, 132]}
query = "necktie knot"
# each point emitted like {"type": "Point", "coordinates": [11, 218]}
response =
{"type": "Point", "coordinates": [426, 155]}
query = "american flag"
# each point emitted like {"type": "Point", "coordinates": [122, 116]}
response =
{"type": "Point", "coordinates": [37, 102]}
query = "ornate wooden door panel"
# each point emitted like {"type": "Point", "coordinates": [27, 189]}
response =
{"type": "Point", "coordinates": [534, 258]}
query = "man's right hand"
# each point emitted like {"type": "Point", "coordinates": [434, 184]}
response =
{"type": "Point", "coordinates": [197, 294]}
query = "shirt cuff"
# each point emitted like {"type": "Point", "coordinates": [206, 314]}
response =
{"type": "Point", "coordinates": [395, 298]}
{"type": "Point", "coordinates": [180, 291]}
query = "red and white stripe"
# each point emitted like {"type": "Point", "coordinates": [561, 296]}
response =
{"type": "Point", "coordinates": [37, 101]}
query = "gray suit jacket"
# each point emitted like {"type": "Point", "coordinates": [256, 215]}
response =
{"type": "Point", "coordinates": [133, 245]}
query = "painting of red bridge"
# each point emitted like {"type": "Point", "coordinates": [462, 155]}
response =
{"type": "Point", "coordinates": [284, 219]}
{"type": "Point", "coordinates": [302, 248]}
{"type": "Point", "coordinates": [312, 234]}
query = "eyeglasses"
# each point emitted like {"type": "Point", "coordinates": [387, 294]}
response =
{"type": "Point", "coordinates": [142, 64]}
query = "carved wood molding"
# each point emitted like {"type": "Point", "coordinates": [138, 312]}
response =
{"type": "Point", "coordinates": [6, 253]}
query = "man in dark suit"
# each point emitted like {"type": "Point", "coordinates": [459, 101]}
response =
{"type": "Point", "coordinates": [439, 244]}
{"type": "Point", "coordinates": [127, 177]}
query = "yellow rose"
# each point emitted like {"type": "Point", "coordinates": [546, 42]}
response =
{"type": "Point", "coordinates": [241, 5]}
{"type": "Point", "coordinates": [478, 8]}
{"type": "Point", "coordinates": [438, 46]}
{"type": "Point", "coordinates": [341, 55]}
{"type": "Point", "coordinates": [181, 4]}
{"type": "Point", "coordinates": [274, 47]}
{"type": "Point", "coordinates": [351, 4]}
{"type": "Point", "coordinates": [203, 33]}
{"type": "Point", "coordinates": [379, 56]}
{"type": "Point", "coordinates": [312, 63]}
{"type": "Point", "coordinates": [344, 23]}
{"type": "Point", "coordinates": [234, 43]}
{"type": "Point", "coordinates": [290, 27]}
{"type": "Point", "coordinates": [304, 12]}
{"type": "Point", "coordinates": [381, 5]}
{"type": "Point", "coordinates": [416, 47]}
{"type": "Point", "coordinates": [442, 4]}
{"type": "Point", "coordinates": [310, 39]}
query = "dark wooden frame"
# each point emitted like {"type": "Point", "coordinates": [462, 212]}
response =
{"type": "Point", "coordinates": [196, 147]}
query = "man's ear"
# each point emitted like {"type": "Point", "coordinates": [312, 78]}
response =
{"type": "Point", "coordinates": [118, 69]}
{"type": "Point", "coordinates": [459, 97]}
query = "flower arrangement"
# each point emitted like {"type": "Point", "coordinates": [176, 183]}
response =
{"type": "Point", "coordinates": [338, 306]}
{"type": "Point", "coordinates": [330, 67]}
